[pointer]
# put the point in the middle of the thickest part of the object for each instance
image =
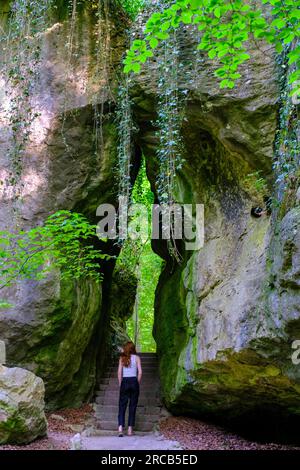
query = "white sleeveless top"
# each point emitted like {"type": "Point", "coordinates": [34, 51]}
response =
{"type": "Point", "coordinates": [130, 371]}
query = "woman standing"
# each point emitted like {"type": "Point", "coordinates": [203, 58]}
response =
{"type": "Point", "coordinates": [129, 376]}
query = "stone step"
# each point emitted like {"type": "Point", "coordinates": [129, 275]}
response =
{"type": "Point", "coordinates": [146, 377]}
{"type": "Point", "coordinates": [154, 387]}
{"type": "Point", "coordinates": [147, 368]}
{"type": "Point", "coordinates": [147, 354]}
{"type": "Point", "coordinates": [148, 358]}
{"type": "Point", "coordinates": [144, 409]}
{"type": "Point", "coordinates": [146, 374]}
{"type": "Point", "coordinates": [114, 379]}
{"type": "Point", "coordinates": [112, 398]}
{"type": "Point", "coordinates": [149, 391]}
{"type": "Point", "coordinates": [144, 360]}
{"type": "Point", "coordinates": [110, 432]}
{"type": "Point", "coordinates": [113, 425]}
{"type": "Point", "coordinates": [109, 400]}
{"type": "Point", "coordinates": [114, 385]}
{"type": "Point", "coordinates": [145, 363]}
{"type": "Point", "coordinates": [144, 392]}
{"type": "Point", "coordinates": [153, 418]}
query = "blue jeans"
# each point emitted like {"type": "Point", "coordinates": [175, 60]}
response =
{"type": "Point", "coordinates": [129, 391]}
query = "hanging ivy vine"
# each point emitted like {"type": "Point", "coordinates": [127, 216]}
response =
{"type": "Point", "coordinates": [169, 120]}
{"type": "Point", "coordinates": [125, 147]}
{"type": "Point", "coordinates": [22, 53]}
{"type": "Point", "coordinates": [287, 146]}
{"type": "Point", "coordinates": [103, 64]}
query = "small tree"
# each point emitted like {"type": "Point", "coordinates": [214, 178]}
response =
{"type": "Point", "coordinates": [63, 242]}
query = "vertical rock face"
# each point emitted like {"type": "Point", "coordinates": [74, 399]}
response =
{"type": "Point", "coordinates": [227, 315]}
{"type": "Point", "coordinates": [68, 163]}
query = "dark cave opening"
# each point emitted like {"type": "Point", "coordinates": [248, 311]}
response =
{"type": "Point", "coordinates": [267, 423]}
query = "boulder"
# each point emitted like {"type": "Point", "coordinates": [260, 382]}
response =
{"type": "Point", "coordinates": [22, 417]}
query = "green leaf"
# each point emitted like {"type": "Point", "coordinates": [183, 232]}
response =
{"type": "Point", "coordinates": [278, 23]}
{"type": "Point", "coordinates": [220, 73]}
{"type": "Point", "coordinates": [136, 68]}
{"type": "Point", "coordinates": [224, 83]}
{"type": "Point", "coordinates": [217, 12]}
{"type": "Point", "coordinates": [186, 17]}
{"type": "Point", "coordinates": [153, 43]}
{"type": "Point", "coordinates": [294, 76]}
{"type": "Point", "coordinates": [162, 35]}
{"type": "Point", "coordinates": [294, 14]}
{"type": "Point", "coordinates": [234, 76]}
{"type": "Point", "coordinates": [296, 91]}
{"type": "Point", "coordinates": [165, 26]}
{"type": "Point", "coordinates": [201, 26]}
{"type": "Point", "coordinates": [294, 55]}
{"type": "Point", "coordinates": [212, 53]}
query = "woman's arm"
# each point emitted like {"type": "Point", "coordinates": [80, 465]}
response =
{"type": "Point", "coordinates": [139, 367]}
{"type": "Point", "coordinates": [120, 371]}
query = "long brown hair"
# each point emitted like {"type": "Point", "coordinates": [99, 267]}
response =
{"type": "Point", "coordinates": [128, 349]}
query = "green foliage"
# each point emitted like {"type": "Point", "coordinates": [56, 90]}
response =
{"type": "Point", "coordinates": [256, 186]}
{"type": "Point", "coordinates": [133, 248]}
{"type": "Point", "coordinates": [256, 181]}
{"type": "Point", "coordinates": [141, 192]}
{"type": "Point", "coordinates": [132, 6]}
{"type": "Point", "coordinates": [150, 268]}
{"type": "Point", "coordinates": [137, 257]}
{"type": "Point", "coordinates": [4, 304]}
{"type": "Point", "coordinates": [63, 242]}
{"type": "Point", "coordinates": [226, 27]}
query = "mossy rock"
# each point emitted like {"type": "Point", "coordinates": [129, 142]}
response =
{"type": "Point", "coordinates": [22, 417]}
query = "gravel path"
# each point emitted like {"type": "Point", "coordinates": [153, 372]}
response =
{"type": "Point", "coordinates": [193, 434]}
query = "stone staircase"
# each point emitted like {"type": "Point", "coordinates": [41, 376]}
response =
{"type": "Point", "coordinates": [149, 410]}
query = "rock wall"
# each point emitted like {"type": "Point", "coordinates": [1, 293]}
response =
{"type": "Point", "coordinates": [226, 316]}
{"type": "Point", "coordinates": [57, 329]}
